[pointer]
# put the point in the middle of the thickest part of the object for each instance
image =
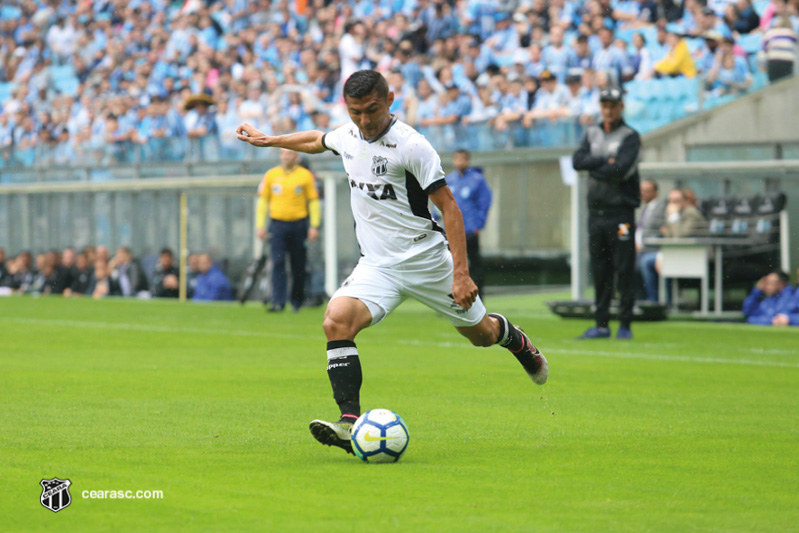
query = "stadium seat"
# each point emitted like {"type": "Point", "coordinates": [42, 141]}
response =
{"type": "Point", "coordinates": [750, 42]}
{"type": "Point", "coordinates": [760, 6]}
{"type": "Point", "coordinates": [63, 71]}
{"type": "Point", "coordinates": [67, 86]}
{"type": "Point", "coordinates": [6, 90]}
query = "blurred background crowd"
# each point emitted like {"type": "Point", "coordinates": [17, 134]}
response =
{"type": "Point", "coordinates": [112, 81]}
{"type": "Point", "coordinates": [94, 272]}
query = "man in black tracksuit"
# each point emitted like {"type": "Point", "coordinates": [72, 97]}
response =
{"type": "Point", "coordinates": [610, 153]}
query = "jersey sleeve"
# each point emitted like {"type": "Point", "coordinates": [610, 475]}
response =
{"type": "Point", "coordinates": [332, 140]}
{"type": "Point", "coordinates": [423, 162]}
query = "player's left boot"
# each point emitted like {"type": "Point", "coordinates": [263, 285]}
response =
{"type": "Point", "coordinates": [333, 434]}
{"type": "Point", "coordinates": [533, 361]}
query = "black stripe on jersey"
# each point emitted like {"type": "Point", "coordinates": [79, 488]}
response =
{"type": "Point", "coordinates": [435, 186]}
{"type": "Point", "coordinates": [417, 198]}
{"type": "Point", "coordinates": [326, 146]}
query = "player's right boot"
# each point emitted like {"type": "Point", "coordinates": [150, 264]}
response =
{"type": "Point", "coordinates": [533, 361]}
{"type": "Point", "coordinates": [333, 434]}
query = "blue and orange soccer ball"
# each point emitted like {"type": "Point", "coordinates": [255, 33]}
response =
{"type": "Point", "coordinates": [380, 436]}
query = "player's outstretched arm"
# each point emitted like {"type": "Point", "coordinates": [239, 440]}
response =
{"type": "Point", "coordinates": [309, 142]}
{"type": "Point", "coordinates": [464, 291]}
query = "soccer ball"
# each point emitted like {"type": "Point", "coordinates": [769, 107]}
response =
{"type": "Point", "coordinates": [379, 436]}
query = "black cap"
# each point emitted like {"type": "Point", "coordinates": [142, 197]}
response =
{"type": "Point", "coordinates": [612, 94]}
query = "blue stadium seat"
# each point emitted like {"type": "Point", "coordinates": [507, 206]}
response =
{"type": "Point", "coordinates": [10, 12]}
{"type": "Point", "coordinates": [634, 109]}
{"type": "Point", "coordinates": [760, 6]}
{"type": "Point", "coordinates": [63, 71]}
{"type": "Point", "coordinates": [67, 86]}
{"type": "Point", "coordinates": [6, 89]}
{"type": "Point", "coordinates": [750, 42]}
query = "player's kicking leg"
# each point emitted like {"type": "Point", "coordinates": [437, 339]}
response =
{"type": "Point", "coordinates": [344, 318]}
{"type": "Point", "coordinates": [496, 329]}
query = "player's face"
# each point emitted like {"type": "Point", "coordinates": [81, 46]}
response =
{"type": "Point", "coordinates": [370, 113]}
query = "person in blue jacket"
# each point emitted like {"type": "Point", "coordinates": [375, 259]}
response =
{"type": "Point", "coordinates": [211, 283]}
{"type": "Point", "coordinates": [772, 302]}
{"type": "Point", "coordinates": [474, 199]}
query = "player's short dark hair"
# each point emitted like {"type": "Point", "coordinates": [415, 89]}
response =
{"type": "Point", "coordinates": [654, 184]}
{"type": "Point", "coordinates": [167, 251]}
{"type": "Point", "coordinates": [364, 83]}
{"type": "Point", "coordinates": [464, 151]}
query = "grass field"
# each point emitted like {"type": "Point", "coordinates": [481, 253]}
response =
{"type": "Point", "coordinates": [690, 427]}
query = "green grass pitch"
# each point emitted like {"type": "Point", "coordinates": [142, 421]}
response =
{"type": "Point", "coordinates": [690, 427]}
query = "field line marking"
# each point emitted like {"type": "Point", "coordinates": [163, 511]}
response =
{"type": "Point", "coordinates": [407, 342]}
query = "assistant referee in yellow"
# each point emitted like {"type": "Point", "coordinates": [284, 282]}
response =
{"type": "Point", "coordinates": [288, 195]}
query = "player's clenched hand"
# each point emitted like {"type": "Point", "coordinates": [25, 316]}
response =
{"type": "Point", "coordinates": [251, 134]}
{"type": "Point", "coordinates": [464, 291]}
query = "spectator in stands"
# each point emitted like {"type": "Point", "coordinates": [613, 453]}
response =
{"type": "Point", "coordinates": [164, 282]}
{"type": "Point", "coordinates": [580, 56]}
{"type": "Point", "coordinates": [651, 218]}
{"type": "Point", "coordinates": [6, 140]}
{"type": "Point", "coordinates": [611, 60]}
{"type": "Point", "coordinates": [706, 55]}
{"type": "Point", "coordinates": [125, 271]}
{"type": "Point", "coordinates": [682, 219]}
{"type": "Point", "coordinates": [513, 105]}
{"type": "Point", "coordinates": [351, 49]}
{"type": "Point", "coordinates": [730, 73]}
{"type": "Point", "coordinates": [678, 61]}
{"type": "Point", "coordinates": [201, 128]}
{"type": "Point", "coordinates": [642, 59]}
{"type": "Point", "coordinates": [102, 284]}
{"type": "Point", "coordinates": [710, 20]}
{"type": "Point", "coordinates": [556, 54]}
{"type": "Point", "coordinates": [81, 277]}
{"type": "Point", "coordinates": [551, 101]}
{"type": "Point", "coordinates": [211, 284]}
{"type": "Point", "coordinates": [772, 302]}
{"type": "Point", "coordinates": [780, 50]}
{"type": "Point", "coordinates": [741, 17]}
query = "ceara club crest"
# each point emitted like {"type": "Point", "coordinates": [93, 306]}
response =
{"type": "Point", "coordinates": [55, 493]}
{"type": "Point", "coordinates": [379, 165]}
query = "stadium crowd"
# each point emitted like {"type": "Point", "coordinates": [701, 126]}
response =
{"type": "Point", "coordinates": [115, 81]}
{"type": "Point", "coordinates": [92, 272]}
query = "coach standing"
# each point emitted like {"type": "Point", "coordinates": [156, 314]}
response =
{"type": "Point", "coordinates": [289, 195]}
{"type": "Point", "coordinates": [610, 153]}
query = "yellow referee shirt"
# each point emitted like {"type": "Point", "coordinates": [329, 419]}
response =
{"type": "Point", "coordinates": [287, 196]}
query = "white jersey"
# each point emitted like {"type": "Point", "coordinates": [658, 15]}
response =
{"type": "Point", "coordinates": [390, 179]}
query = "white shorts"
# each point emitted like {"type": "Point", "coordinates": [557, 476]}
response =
{"type": "Point", "coordinates": [384, 289]}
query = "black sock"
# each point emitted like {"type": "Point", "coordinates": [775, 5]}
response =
{"type": "Point", "coordinates": [509, 336]}
{"type": "Point", "coordinates": [344, 371]}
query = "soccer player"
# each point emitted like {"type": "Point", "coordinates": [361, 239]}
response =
{"type": "Point", "coordinates": [392, 172]}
